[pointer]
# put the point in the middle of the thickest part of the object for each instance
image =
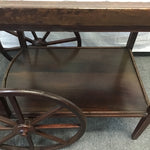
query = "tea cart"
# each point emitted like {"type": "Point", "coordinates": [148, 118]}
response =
{"type": "Point", "coordinates": [43, 83]}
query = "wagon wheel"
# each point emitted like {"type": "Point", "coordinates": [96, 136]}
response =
{"type": "Point", "coordinates": [27, 127]}
{"type": "Point", "coordinates": [37, 41]}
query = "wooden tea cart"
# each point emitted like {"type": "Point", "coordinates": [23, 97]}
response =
{"type": "Point", "coordinates": [43, 83]}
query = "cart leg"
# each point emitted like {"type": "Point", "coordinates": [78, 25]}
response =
{"type": "Point", "coordinates": [131, 40]}
{"type": "Point", "coordinates": [5, 106]}
{"type": "Point", "coordinates": [142, 125]}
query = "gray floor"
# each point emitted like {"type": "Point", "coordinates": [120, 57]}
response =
{"type": "Point", "coordinates": [111, 133]}
{"type": "Point", "coordinates": [114, 133]}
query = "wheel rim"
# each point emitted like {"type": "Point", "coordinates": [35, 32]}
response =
{"type": "Point", "coordinates": [26, 127]}
{"type": "Point", "coordinates": [39, 41]}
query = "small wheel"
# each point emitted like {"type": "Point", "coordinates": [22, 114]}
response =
{"type": "Point", "coordinates": [39, 41]}
{"type": "Point", "coordinates": [28, 128]}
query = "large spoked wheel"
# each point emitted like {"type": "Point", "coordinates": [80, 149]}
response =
{"type": "Point", "coordinates": [39, 41]}
{"type": "Point", "coordinates": [27, 128]}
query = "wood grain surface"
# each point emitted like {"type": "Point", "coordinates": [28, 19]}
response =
{"type": "Point", "coordinates": [74, 16]}
{"type": "Point", "coordinates": [102, 82]}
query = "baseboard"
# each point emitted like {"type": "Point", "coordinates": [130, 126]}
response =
{"type": "Point", "coordinates": [141, 53]}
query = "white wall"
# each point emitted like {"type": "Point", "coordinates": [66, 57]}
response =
{"type": "Point", "coordinates": [90, 39]}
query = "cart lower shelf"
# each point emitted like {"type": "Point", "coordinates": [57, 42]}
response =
{"type": "Point", "coordinates": [100, 81]}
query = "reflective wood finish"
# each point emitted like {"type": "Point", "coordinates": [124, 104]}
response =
{"type": "Point", "coordinates": [100, 81]}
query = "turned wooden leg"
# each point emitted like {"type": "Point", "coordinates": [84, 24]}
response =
{"type": "Point", "coordinates": [143, 123]}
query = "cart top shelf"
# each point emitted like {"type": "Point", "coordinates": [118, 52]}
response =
{"type": "Point", "coordinates": [74, 16]}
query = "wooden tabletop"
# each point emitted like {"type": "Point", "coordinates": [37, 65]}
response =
{"type": "Point", "coordinates": [74, 16]}
{"type": "Point", "coordinates": [74, 4]}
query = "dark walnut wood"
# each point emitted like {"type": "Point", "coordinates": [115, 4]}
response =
{"type": "Point", "coordinates": [26, 127]}
{"type": "Point", "coordinates": [74, 16]}
{"type": "Point", "coordinates": [100, 81]}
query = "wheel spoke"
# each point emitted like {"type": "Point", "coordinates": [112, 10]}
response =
{"type": "Point", "coordinates": [78, 39]}
{"type": "Point", "coordinates": [45, 115]}
{"type": "Point", "coordinates": [50, 137]}
{"type": "Point", "coordinates": [21, 38]}
{"type": "Point", "coordinates": [15, 34]}
{"type": "Point", "coordinates": [62, 41]}
{"type": "Point", "coordinates": [12, 32]}
{"type": "Point", "coordinates": [6, 138]}
{"type": "Point", "coordinates": [5, 128]}
{"type": "Point", "coordinates": [34, 35]}
{"type": "Point", "coordinates": [45, 36]}
{"type": "Point", "coordinates": [57, 126]}
{"type": "Point", "coordinates": [17, 109]}
{"type": "Point", "coordinates": [29, 139]}
{"type": "Point", "coordinates": [7, 121]}
{"type": "Point", "coordinates": [28, 39]}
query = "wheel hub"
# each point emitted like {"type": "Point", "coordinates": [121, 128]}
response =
{"type": "Point", "coordinates": [23, 129]}
{"type": "Point", "coordinates": [39, 42]}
